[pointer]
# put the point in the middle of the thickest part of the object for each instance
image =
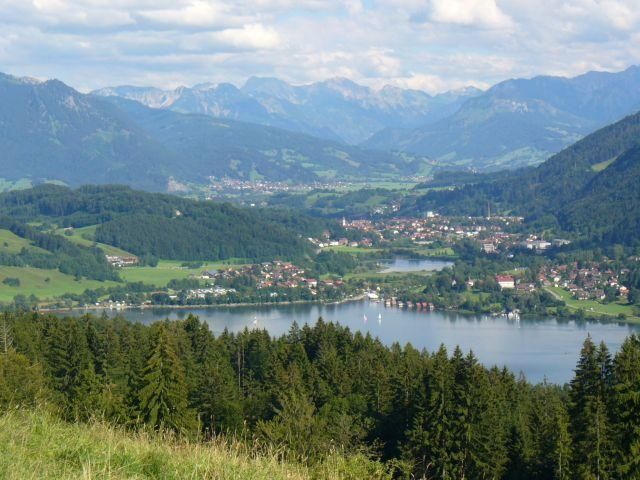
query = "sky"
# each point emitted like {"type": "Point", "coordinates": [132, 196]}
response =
{"type": "Point", "coordinates": [432, 45]}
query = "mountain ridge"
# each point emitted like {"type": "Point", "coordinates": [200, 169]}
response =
{"type": "Point", "coordinates": [336, 109]}
{"type": "Point", "coordinates": [521, 121]}
{"type": "Point", "coordinates": [49, 131]}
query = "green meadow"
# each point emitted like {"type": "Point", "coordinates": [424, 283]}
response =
{"type": "Point", "coordinates": [44, 284]}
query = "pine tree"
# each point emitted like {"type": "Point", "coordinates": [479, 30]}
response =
{"type": "Point", "coordinates": [429, 441]}
{"type": "Point", "coordinates": [548, 429]}
{"type": "Point", "coordinates": [589, 412]}
{"type": "Point", "coordinates": [627, 408]}
{"type": "Point", "coordinates": [163, 397]}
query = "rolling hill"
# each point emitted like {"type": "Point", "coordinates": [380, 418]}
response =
{"type": "Point", "coordinates": [522, 121]}
{"type": "Point", "coordinates": [152, 224]}
{"type": "Point", "coordinates": [591, 188]}
{"type": "Point", "coordinates": [210, 146]}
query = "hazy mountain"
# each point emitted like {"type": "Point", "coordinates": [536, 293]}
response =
{"type": "Point", "coordinates": [519, 122]}
{"type": "Point", "coordinates": [49, 131]}
{"type": "Point", "coordinates": [336, 109]}
{"type": "Point", "coordinates": [220, 147]}
{"type": "Point", "coordinates": [590, 188]}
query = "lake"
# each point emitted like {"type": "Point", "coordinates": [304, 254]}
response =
{"type": "Point", "coordinates": [538, 347]}
{"type": "Point", "coordinates": [400, 265]}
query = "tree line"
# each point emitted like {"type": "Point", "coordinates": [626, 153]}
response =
{"type": "Point", "coordinates": [320, 388]}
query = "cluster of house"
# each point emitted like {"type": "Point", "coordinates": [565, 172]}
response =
{"type": "Point", "coordinates": [585, 282]}
{"type": "Point", "coordinates": [431, 227]}
{"type": "Point", "coordinates": [507, 241]}
{"type": "Point", "coordinates": [424, 306]}
{"type": "Point", "coordinates": [271, 274]}
{"type": "Point", "coordinates": [202, 293]}
{"type": "Point", "coordinates": [231, 185]}
{"type": "Point", "coordinates": [327, 241]}
{"type": "Point", "coordinates": [123, 261]}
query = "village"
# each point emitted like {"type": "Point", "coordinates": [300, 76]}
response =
{"type": "Point", "coordinates": [269, 274]}
{"type": "Point", "coordinates": [589, 281]}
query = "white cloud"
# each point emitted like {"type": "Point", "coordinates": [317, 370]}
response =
{"type": "Point", "coordinates": [255, 36]}
{"type": "Point", "coordinates": [196, 14]}
{"type": "Point", "coordinates": [427, 44]}
{"type": "Point", "coordinates": [483, 13]}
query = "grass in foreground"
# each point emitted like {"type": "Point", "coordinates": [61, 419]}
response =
{"type": "Point", "coordinates": [36, 445]}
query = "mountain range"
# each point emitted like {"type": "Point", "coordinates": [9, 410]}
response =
{"type": "Point", "coordinates": [150, 138]}
{"type": "Point", "coordinates": [49, 131]}
{"type": "Point", "coordinates": [515, 123]}
{"type": "Point", "coordinates": [336, 109]}
{"type": "Point", "coordinates": [522, 121]}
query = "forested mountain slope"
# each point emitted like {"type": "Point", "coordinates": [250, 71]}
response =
{"type": "Point", "coordinates": [590, 188]}
{"type": "Point", "coordinates": [50, 131]}
{"type": "Point", "coordinates": [166, 226]}
{"type": "Point", "coordinates": [219, 147]}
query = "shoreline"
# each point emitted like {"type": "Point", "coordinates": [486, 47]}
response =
{"type": "Point", "coordinates": [94, 308]}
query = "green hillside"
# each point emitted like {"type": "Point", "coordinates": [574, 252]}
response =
{"type": "Point", "coordinates": [86, 236]}
{"type": "Point", "coordinates": [163, 226]}
{"type": "Point", "coordinates": [37, 445]}
{"type": "Point", "coordinates": [44, 284]}
{"type": "Point", "coordinates": [590, 188]}
{"type": "Point", "coordinates": [11, 243]}
{"type": "Point", "coordinates": [50, 131]}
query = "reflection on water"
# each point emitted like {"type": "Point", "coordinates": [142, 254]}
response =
{"type": "Point", "coordinates": [411, 265]}
{"type": "Point", "coordinates": [538, 347]}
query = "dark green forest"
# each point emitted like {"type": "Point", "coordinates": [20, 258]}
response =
{"type": "Point", "coordinates": [427, 414]}
{"type": "Point", "coordinates": [166, 226]}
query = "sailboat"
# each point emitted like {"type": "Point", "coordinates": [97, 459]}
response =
{"type": "Point", "coordinates": [379, 319]}
{"type": "Point", "coordinates": [365, 318]}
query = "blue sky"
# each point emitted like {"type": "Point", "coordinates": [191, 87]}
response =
{"type": "Point", "coordinates": [434, 45]}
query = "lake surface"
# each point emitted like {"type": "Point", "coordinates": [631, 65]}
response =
{"type": "Point", "coordinates": [540, 348]}
{"type": "Point", "coordinates": [411, 265]}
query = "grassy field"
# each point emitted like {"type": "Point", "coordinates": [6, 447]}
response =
{"type": "Point", "coordinates": [168, 270]}
{"type": "Point", "coordinates": [592, 306]}
{"type": "Point", "coordinates": [44, 284]}
{"type": "Point", "coordinates": [436, 252]}
{"type": "Point", "coordinates": [36, 445]}
{"type": "Point", "coordinates": [85, 235]}
{"type": "Point", "coordinates": [11, 243]}
{"type": "Point", "coordinates": [354, 250]}
{"type": "Point", "coordinates": [6, 185]}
